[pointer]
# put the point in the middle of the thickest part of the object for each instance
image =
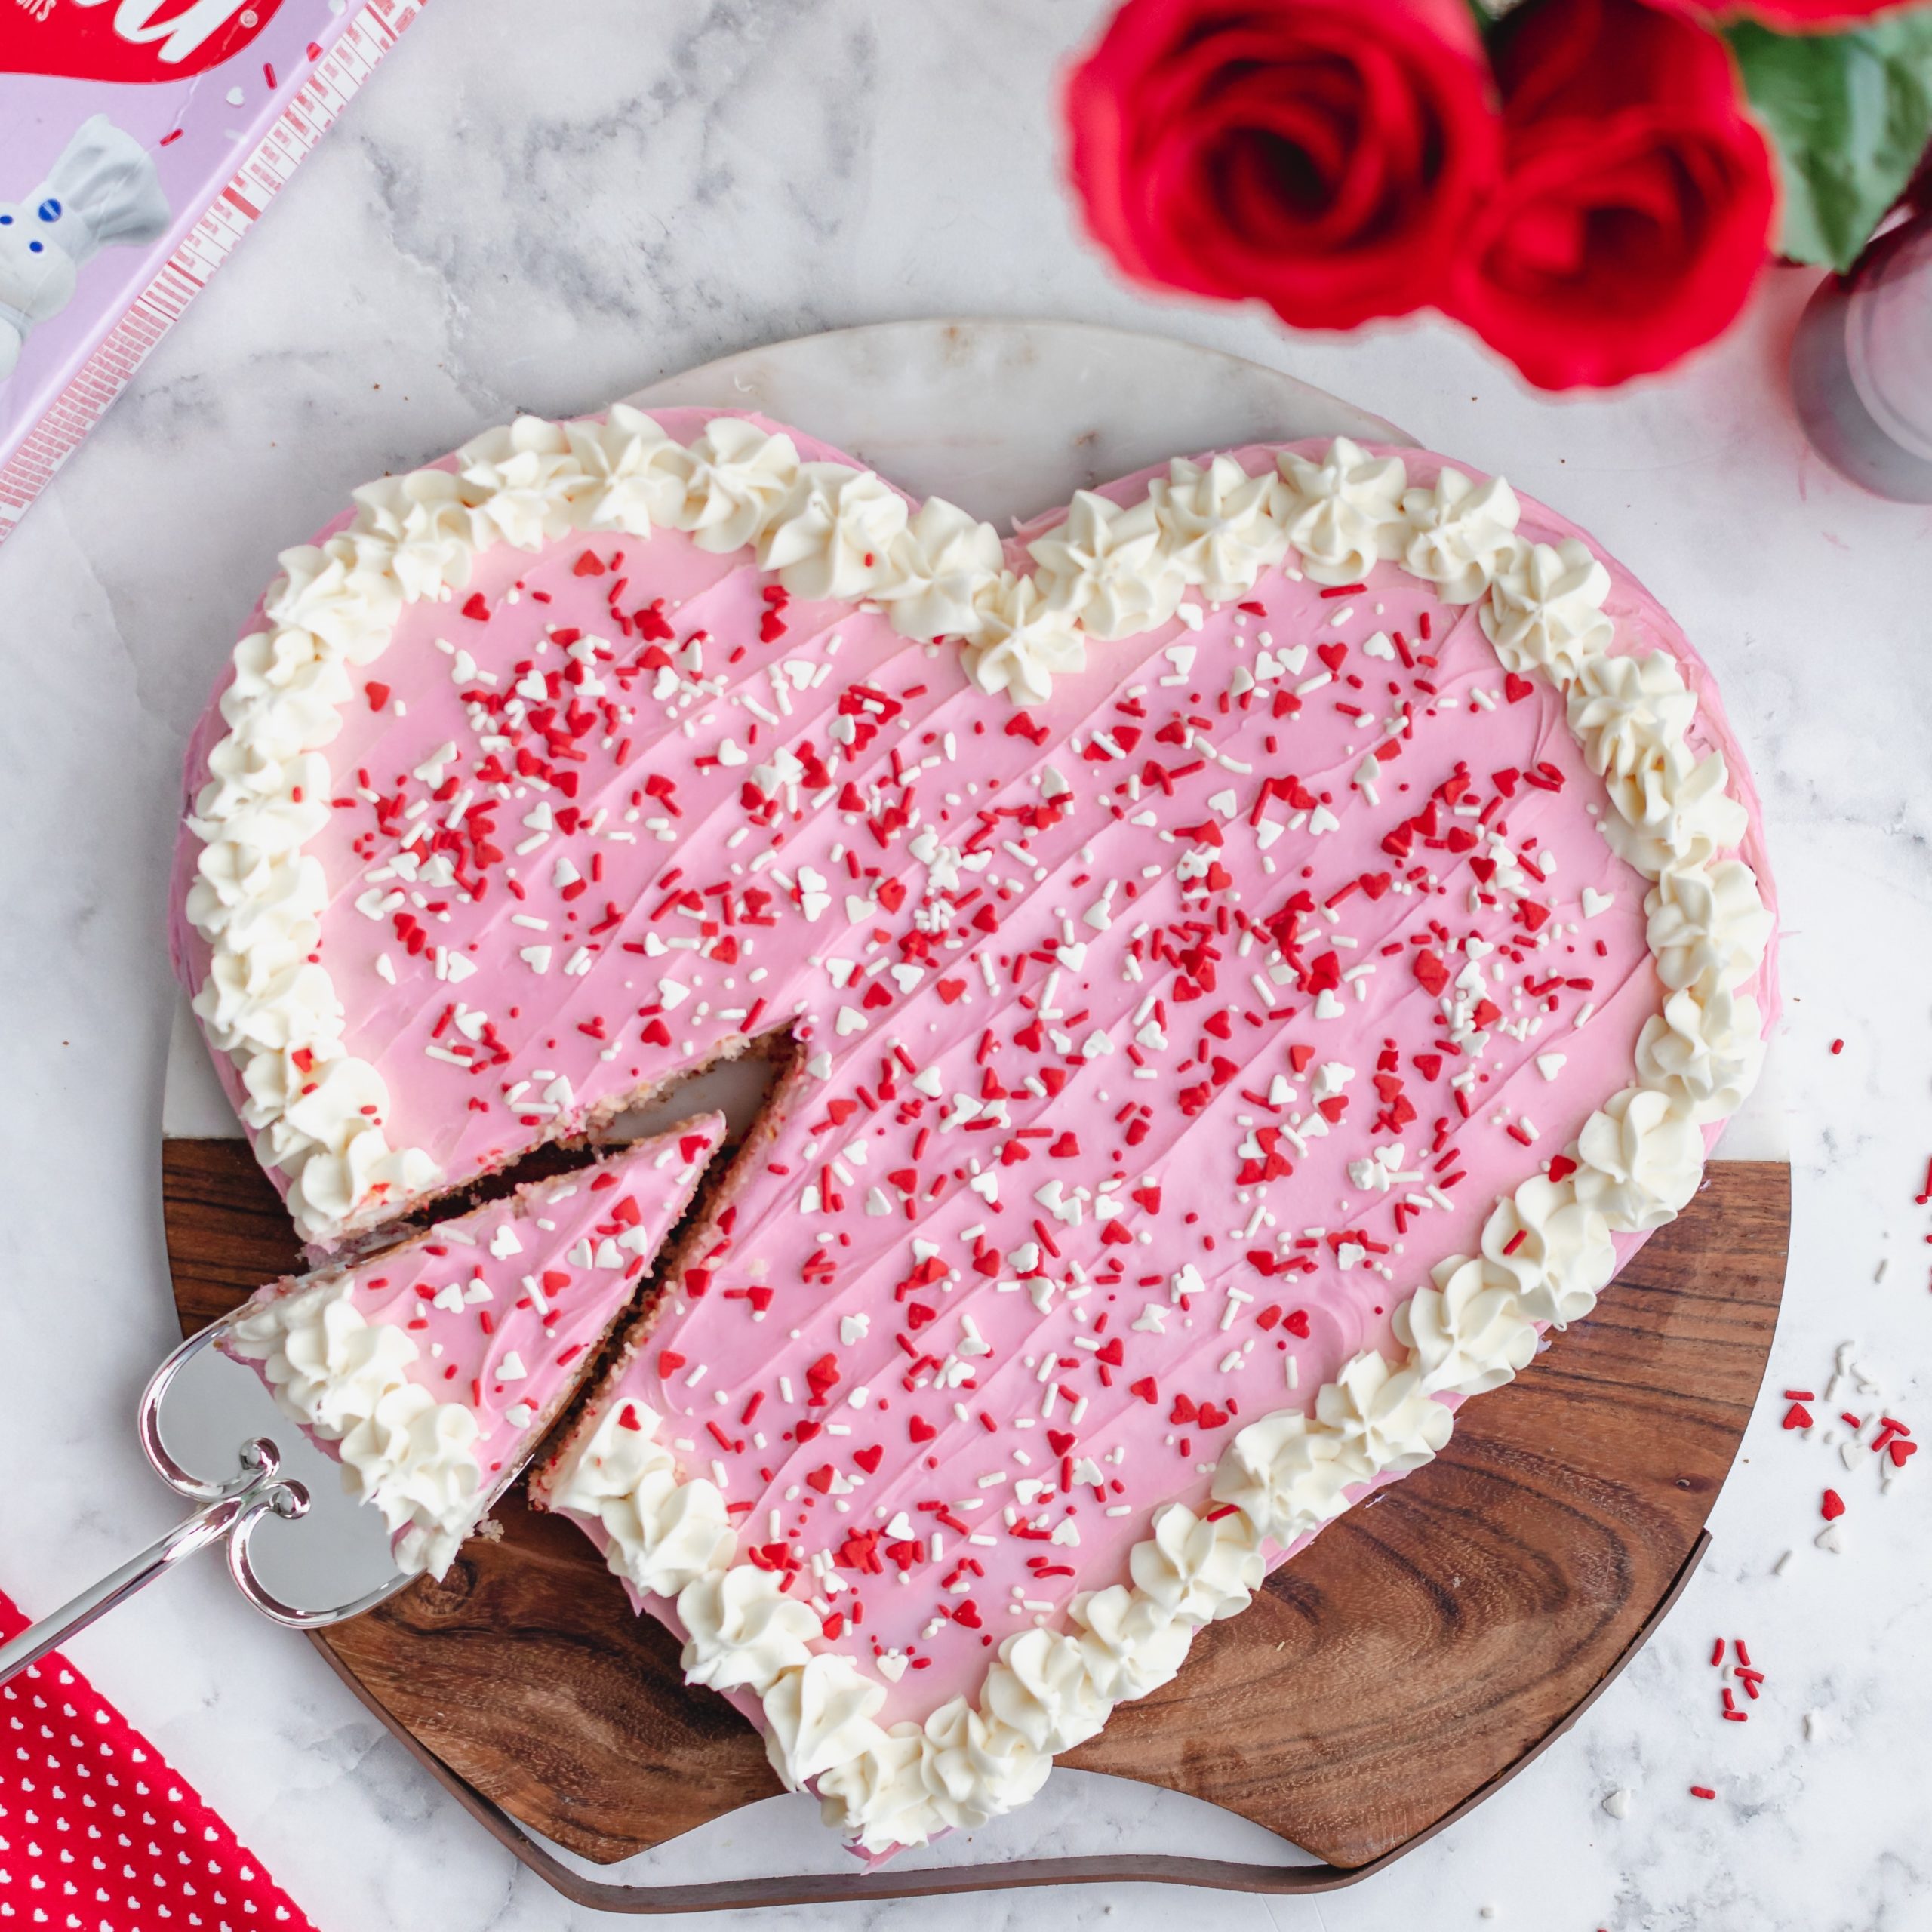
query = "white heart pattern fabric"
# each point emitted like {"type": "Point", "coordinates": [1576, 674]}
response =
{"type": "Point", "coordinates": [1260, 946]}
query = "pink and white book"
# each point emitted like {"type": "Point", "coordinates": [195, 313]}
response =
{"type": "Point", "coordinates": [138, 142]}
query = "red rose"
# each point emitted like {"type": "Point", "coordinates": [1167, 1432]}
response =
{"type": "Point", "coordinates": [1324, 155]}
{"type": "Point", "coordinates": [1637, 196]}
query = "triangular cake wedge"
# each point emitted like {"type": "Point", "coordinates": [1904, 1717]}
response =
{"type": "Point", "coordinates": [432, 1370]}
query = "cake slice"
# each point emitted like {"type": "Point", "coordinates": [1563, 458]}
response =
{"type": "Point", "coordinates": [432, 1370]}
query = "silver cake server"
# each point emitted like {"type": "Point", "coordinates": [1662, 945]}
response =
{"type": "Point", "coordinates": [302, 1549]}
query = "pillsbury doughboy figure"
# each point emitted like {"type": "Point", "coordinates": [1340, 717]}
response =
{"type": "Point", "coordinates": [104, 189]}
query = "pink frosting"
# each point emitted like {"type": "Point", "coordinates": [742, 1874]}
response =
{"type": "Point", "coordinates": [833, 1444]}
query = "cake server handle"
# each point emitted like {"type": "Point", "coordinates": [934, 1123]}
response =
{"type": "Point", "coordinates": [230, 1510]}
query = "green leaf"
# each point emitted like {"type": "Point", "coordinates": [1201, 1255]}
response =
{"type": "Point", "coordinates": [1849, 115]}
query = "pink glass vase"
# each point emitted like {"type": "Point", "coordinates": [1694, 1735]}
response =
{"type": "Point", "coordinates": [1861, 366]}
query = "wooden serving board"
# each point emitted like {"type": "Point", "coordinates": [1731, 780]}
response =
{"type": "Point", "coordinates": [1479, 1602]}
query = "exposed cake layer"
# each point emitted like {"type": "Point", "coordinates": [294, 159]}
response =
{"type": "Point", "coordinates": [432, 1371]}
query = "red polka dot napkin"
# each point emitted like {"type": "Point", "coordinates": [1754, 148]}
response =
{"type": "Point", "coordinates": [98, 1834]}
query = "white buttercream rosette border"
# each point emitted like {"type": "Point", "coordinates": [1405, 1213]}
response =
{"type": "Point", "coordinates": [1108, 571]}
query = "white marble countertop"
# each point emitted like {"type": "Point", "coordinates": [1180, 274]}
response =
{"type": "Point", "coordinates": [545, 215]}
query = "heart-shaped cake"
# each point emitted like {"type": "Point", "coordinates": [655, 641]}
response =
{"type": "Point", "coordinates": [1252, 951]}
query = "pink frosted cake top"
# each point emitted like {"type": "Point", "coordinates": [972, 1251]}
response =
{"type": "Point", "coordinates": [430, 1372]}
{"type": "Point", "coordinates": [1261, 948]}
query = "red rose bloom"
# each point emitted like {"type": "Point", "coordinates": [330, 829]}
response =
{"type": "Point", "coordinates": [1324, 156]}
{"type": "Point", "coordinates": [1637, 196]}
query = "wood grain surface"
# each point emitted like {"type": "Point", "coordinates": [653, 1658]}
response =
{"type": "Point", "coordinates": [1474, 1605]}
